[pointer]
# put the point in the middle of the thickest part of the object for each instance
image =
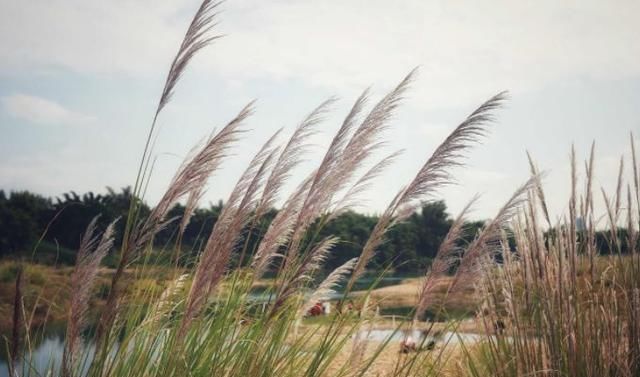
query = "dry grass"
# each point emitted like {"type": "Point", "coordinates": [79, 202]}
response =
{"type": "Point", "coordinates": [561, 308]}
{"type": "Point", "coordinates": [407, 294]}
{"type": "Point", "coordinates": [47, 290]}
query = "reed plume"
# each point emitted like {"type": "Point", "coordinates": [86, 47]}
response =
{"type": "Point", "coordinates": [189, 179]}
{"type": "Point", "coordinates": [282, 227]}
{"type": "Point", "coordinates": [227, 230]}
{"type": "Point", "coordinates": [291, 156]}
{"type": "Point", "coordinates": [327, 287]}
{"type": "Point", "coordinates": [167, 300]}
{"type": "Point", "coordinates": [636, 176]}
{"type": "Point", "coordinates": [539, 190]}
{"type": "Point", "coordinates": [137, 234]}
{"type": "Point", "coordinates": [91, 252]}
{"type": "Point", "coordinates": [351, 198]}
{"type": "Point", "coordinates": [488, 241]}
{"type": "Point", "coordinates": [347, 152]}
{"type": "Point", "coordinates": [432, 176]}
{"type": "Point", "coordinates": [196, 38]}
{"type": "Point", "coordinates": [279, 231]}
{"type": "Point", "coordinates": [303, 271]}
{"type": "Point", "coordinates": [446, 257]}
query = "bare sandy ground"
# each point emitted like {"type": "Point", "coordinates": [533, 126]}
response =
{"type": "Point", "coordinates": [406, 294]}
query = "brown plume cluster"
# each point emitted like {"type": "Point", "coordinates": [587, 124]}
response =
{"type": "Point", "coordinates": [91, 252]}
{"type": "Point", "coordinates": [336, 185]}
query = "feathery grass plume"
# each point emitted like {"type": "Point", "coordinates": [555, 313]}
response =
{"type": "Point", "coordinates": [589, 168]}
{"type": "Point", "coordinates": [327, 287]}
{"type": "Point", "coordinates": [291, 156]}
{"type": "Point", "coordinates": [135, 235]}
{"type": "Point", "coordinates": [250, 204]}
{"type": "Point", "coordinates": [91, 252]}
{"type": "Point", "coordinates": [436, 172]}
{"type": "Point", "coordinates": [447, 255]}
{"type": "Point", "coordinates": [226, 232]}
{"type": "Point", "coordinates": [197, 191]}
{"type": "Point", "coordinates": [561, 320]}
{"type": "Point", "coordinates": [282, 227]}
{"type": "Point", "coordinates": [487, 242]}
{"type": "Point", "coordinates": [165, 303]}
{"type": "Point", "coordinates": [432, 176]}
{"type": "Point", "coordinates": [365, 138]}
{"type": "Point", "coordinates": [195, 171]}
{"type": "Point", "coordinates": [192, 203]}
{"type": "Point", "coordinates": [313, 261]}
{"type": "Point", "coordinates": [288, 159]}
{"type": "Point", "coordinates": [619, 188]}
{"type": "Point", "coordinates": [343, 158]}
{"type": "Point", "coordinates": [588, 208]}
{"type": "Point", "coordinates": [572, 247]}
{"type": "Point", "coordinates": [280, 230]}
{"type": "Point", "coordinates": [190, 178]}
{"type": "Point", "coordinates": [611, 214]}
{"type": "Point", "coordinates": [196, 38]}
{"type": "Point", "coordinates": [303, 271]}
{"type": "Point", "coordinates": [539, 190]}
{"type": "Point", "coordinates": [17, 321]}
{"type": "Point", "coordinates": [350, 199]}
{"type": "Point", "coordinates": [339, 141]}
{"type": "Point", "coordinates": [247, 208]}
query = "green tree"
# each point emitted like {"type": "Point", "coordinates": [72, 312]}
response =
{"type": "Point", "coordinates": [22, 219]}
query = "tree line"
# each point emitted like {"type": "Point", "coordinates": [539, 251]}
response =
{"type": "Point", "coordinates": [48, 230]}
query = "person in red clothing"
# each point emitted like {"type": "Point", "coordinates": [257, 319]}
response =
{"type": "Point", "coordinates": [316, 310]}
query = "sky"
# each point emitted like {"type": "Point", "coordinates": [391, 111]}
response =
{"type": "Point", "coordinates": [80, 79]}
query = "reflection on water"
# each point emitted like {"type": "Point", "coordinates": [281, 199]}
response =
{"type": "Point", "coordinates": [46, 353]}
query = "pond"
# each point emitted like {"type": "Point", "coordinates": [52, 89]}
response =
{"type": "Point", "coordinates": [46, 348]}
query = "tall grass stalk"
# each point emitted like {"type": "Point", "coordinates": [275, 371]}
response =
{"type": "Point", "coordinates": [556, 305]}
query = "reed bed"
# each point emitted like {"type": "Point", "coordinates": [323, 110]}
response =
{"type": "Point", "coordinates": [563, 313]}
{"type": "Point", "coordinates": [556, 306]}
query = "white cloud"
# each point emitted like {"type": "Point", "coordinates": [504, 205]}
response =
{"type": "Point", "coordinates": [42, 111]}
{"type": "Point", "coordinates": [120, 36]}
{"type": "Point", "coordinates": [466, 50]}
